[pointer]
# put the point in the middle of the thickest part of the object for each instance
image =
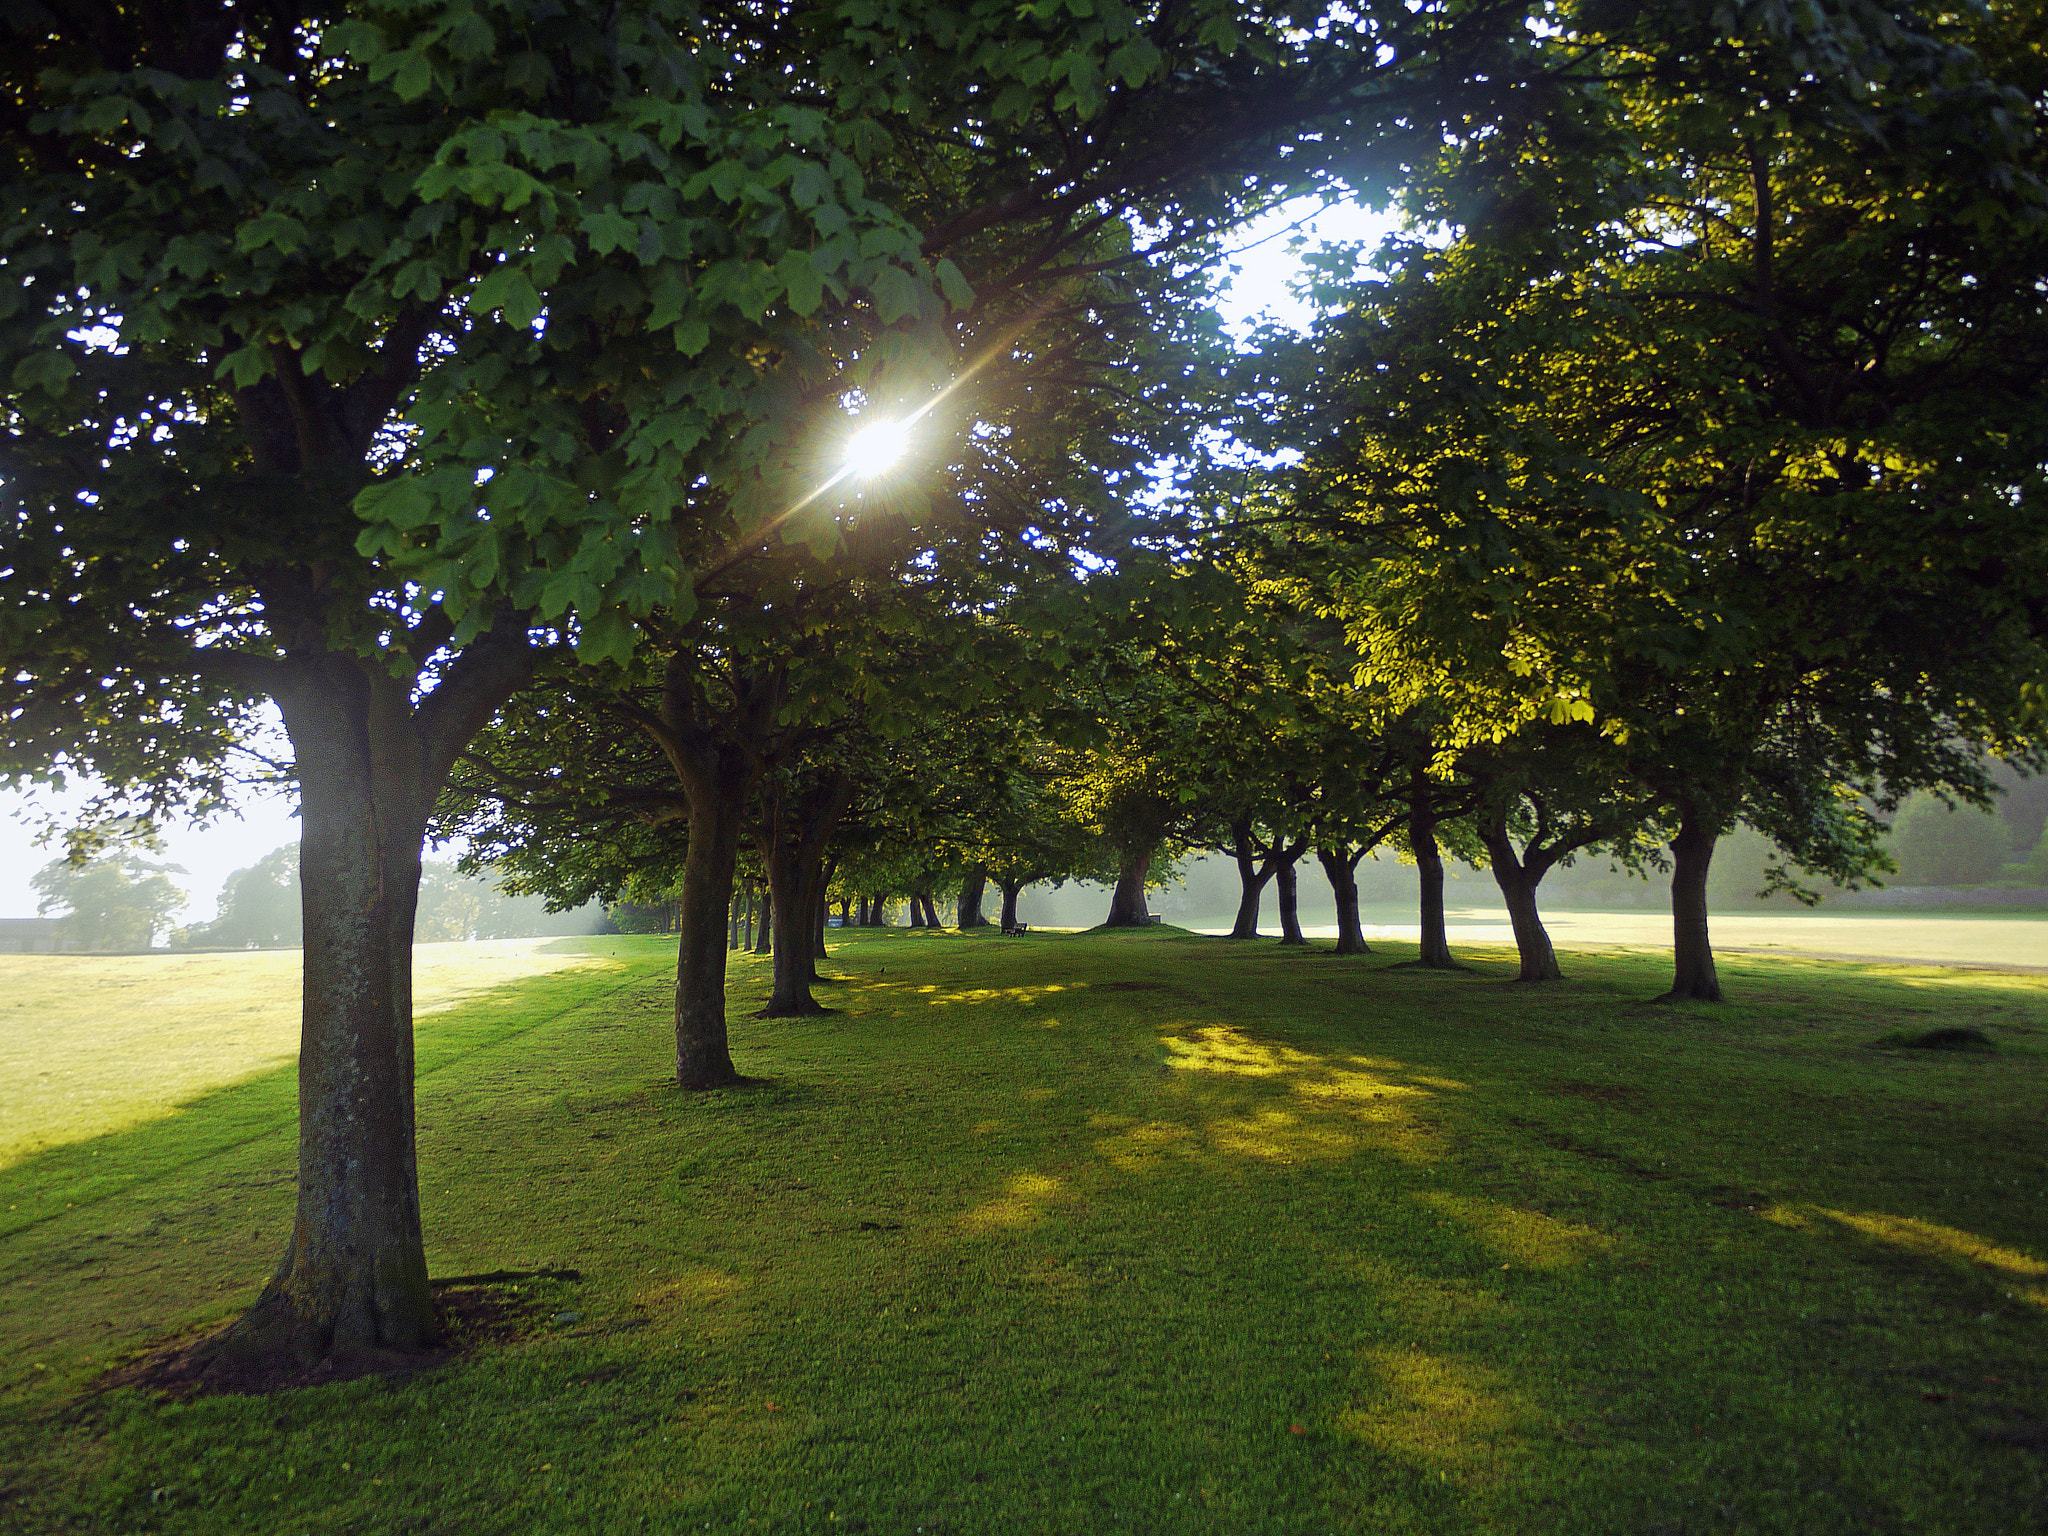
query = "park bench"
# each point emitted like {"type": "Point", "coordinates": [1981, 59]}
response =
{"type": "Point", "coordinates": [1016, 930]}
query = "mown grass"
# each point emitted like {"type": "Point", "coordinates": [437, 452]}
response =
{"type": "Point", "coordinates": [1118, 1233]}
{"type": "Point", "coordinates": [94, 1043]}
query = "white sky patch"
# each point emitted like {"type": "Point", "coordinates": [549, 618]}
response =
{"type": "Point", "coordinates": [1267, 257]}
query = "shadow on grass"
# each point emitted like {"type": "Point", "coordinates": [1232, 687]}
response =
{"type": "Point", "coordinates": [1311, 1247]}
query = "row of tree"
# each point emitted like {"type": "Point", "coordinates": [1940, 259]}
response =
{"type": "Point", "coordinates": [120, 900]}
{"type": "Point", "coordinates": [470, 379]}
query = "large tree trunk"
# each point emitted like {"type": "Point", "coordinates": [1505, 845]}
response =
{"type": "Point", "coordinates": [1010, 890]}
{"type": "Point", "coordinates": [973, 886]}
{"type": "Point", "coordinates": [1692, 952]}
{"type": "Point", "coordinates": [797, 827]}
{"type": "Point", "coordinates": [1343, 873]}
{"type": "Point", "coordinates": [718, 811]}
{"type": "Point", "coordinates": [1127, 903]}
{"type": "Point", "coordinates": [1286, 882]}
{"type": "Point", "coordinates": [1518, 880]}
{"type": "Point", "coordinates": [353, 1278]}
{"type": "Point", "coordinates": [1429, 868]}
{"type": "Point", "coordinates": [824, 910]}
{"type": "Point", "coordinates": [1251, 879]}
{"type": "Point", "coordinates": [1436, 940]}
{"type": "Point", "coordinates": [1532, 939]}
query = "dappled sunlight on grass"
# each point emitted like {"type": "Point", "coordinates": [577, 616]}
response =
{"type": "Point", "coordinates": [1280, 1136]}
{"type": "Point", "coordinates": [1215, 1241]}
{"type": "Point", "coordinates": [1025, 1202]}
{"type": "Point", "coordinates": [1443, 1412]}
{"type": "Point", "coordinates": [1134, 1146]}
{"type": "Point", "coordinates": [1025, 996]}
{"type": "Point", "coordinates": [690, 1290]}
{"type": "Point", "coordinates": [1928, 1239]}
{"type": "Point", "coordinates": [1222, 1049]}
{"type": "Point", "coordinates": [1337, 1105]}
{"type": "Point", "coordinates": [1527, 1239]}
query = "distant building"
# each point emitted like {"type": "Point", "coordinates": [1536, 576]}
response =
{"type": "Point", "coordinates": [34, 936]}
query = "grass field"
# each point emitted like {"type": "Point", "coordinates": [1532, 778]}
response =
{"type": "Point", "coordinates": [94, 1043]}
{"type": "Point", "coordinates": [1147, 1232]}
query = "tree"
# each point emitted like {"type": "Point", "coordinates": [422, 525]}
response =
{"type": "Point", "coordinates": [512, 281]}
{"type": "Point", "coordinates": [1549, 793]}
{"type": "Point", "coordinates": [264, 265]}
{"type": "Point", "coordinates": [1672, 457]}
{"type": "Point", "coordinates": [1936, 844]}
{"type": "Point", "coordinates": [116, 900]}
{"type": "Point", "coordinates": [259, 906]}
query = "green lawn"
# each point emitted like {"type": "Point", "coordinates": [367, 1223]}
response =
{"type": "Point", "coordinates": [1138, 1233]}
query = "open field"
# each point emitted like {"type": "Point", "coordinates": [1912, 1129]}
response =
{"type": "Point", "coordinates": [94, 1043]}
{"type": "Point", "coordinates": [1147, 1232]}
{"type": "Point", "coordinates": [1940, 938]}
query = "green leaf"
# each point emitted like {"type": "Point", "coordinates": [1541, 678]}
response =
{"type": "Point", "coordinates": [608, 230]}
{"type": "Point", "coordinates": [806, 287]}
{"type": "Point", "coordinates": [606, 635]}
{"type": "Point", "coordinates": [954, 285]}
{"type": "Point", "coordinates": [44, 370]}
{"type": "Point", "coordinates": [278, 229]}
{"type": "Point", "coordinates": [398, 502]}
{"type": "Point", "coordinates": [692, 335]}
{"type": "Point", "coordinates": [897, 295]}
{"type": "Point", "coordinates": [510, 290]}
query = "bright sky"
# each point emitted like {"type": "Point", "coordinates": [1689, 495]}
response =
{"type": "Point", "coordinates": [1267, 264]}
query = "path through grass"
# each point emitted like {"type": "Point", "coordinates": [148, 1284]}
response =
{"type": "Point", "coordinates": [1147, 1232]}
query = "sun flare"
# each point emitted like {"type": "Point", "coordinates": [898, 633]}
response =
{"type": "Point", "coordinates": [873, 450]}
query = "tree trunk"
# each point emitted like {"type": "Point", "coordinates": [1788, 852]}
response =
{"type": "Point", "coordinates": [1518, 880]}
{"type": "Point", "coordinates": [1285, 881]}
{"type": "Point", "coordinates": [1127, 903]}
{"type": "Point", "coordinates": [831, 867]}
{"type": "Point", "coordinates": [1251, 879]}
{"type": "Point", "coordinates": [1010, 890]}
{"type": "Point", "coordinates": [732, 920]}
{"type": "Point", "coordinates": [1435, 949]}
{"type": "Point", "coordinates": [1343, 873]}
{"type": "Point", "coordinates": [353, 1278]}
{"type": "Point", "coordinates": [797, 827]}
{"type": "Point", "coordinates": [973, 885]}
{"type": "Point", "coordinates": [764, 937]}
{"type": "Point", "coordinates": [1692, 953]}
{"type": "Point", "coordinates": [718, 812]}
{"type": "Point", "coordinates": [1532, 939]}
{"type": "Point", "coordinates": [1429, 869]}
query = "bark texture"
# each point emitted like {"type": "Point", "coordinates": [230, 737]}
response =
{"type": "Point", "coordinates": [1010, 889]}
{"type": "Point", "coordinates": [1127, 903]}
{"type": "Point", "coordinates": [1342, 870]}
{"type": "Point", "coordinates": [973, 886]}
{"type": "Point", "coordinates": [1693, 976]}
{"type": "Point", "coordinates": [370, 761]}
{"type": "Point", "coordinates": [1429, 870]}
{"type": "Point", "coordinates": [1518, 874]}
{"type": "Point", "coordinates": [717, 778]}
{"type": "Point", "coordinates": [1286, 884]}
{"type": "Point", "coordinates": [798, 822]}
